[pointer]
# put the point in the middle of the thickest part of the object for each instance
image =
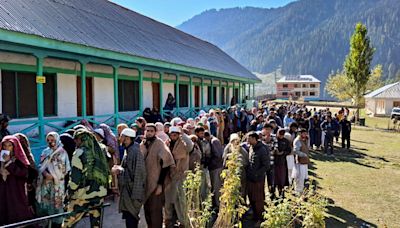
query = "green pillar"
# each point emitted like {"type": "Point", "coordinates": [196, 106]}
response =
{"type": "Point", "coordinates": [116, 103]}
{"type": "Point", "coordinates": [244, 90]}
{"type": "Point", "coordinates": [254, 93]}
{"type": "Point", "coordinates": [177, 94]}
{"type": "Point", "coordinates": [40, 98]}
{"type": "Point", "coordinates": [249, 92]}
{"type": "Point", "coordinates": [202, 93]}
{"type": "Point", "coordinates": [228, 94]}
{"type": "Point", "coordinates": [140, 71]}
{"type": "Point", "coordinates": [161, 94]}
{"type": "Point", "coordinates": [233, 92]}
{"type": "Point", "coordinates": [212, 93]}
{"type": "Point", "coordinates": [220, 92]}
{"type": "Point", "coordinates": [190, 94]}
{"type": "Point", "coordinates": [83, 89]}
{"type": "Point", "coordinates": [240, 93]}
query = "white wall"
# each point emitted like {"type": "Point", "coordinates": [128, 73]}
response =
{"type": "Point", "coordinates": [205, 96]}
{"type": "Point", "coordinates": [103, 96]}
{"type": "Point", "coordinates": [147, 94]}
{"type": "Point", "coordinates": [66, 95]}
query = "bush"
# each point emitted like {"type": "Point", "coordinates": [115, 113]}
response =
{"type": "Point", "coordinates": [199, 211]}
{"type": "Point", "coordinates": [307, 210]}
{"type": "Point", "coordinates": [232, 203]}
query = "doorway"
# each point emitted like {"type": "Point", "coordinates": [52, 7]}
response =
{"type": "Point", "coordinates": [156, 95]}
{"type": "Point", "coordinates": [89, 96]}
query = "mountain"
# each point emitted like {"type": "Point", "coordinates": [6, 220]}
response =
{"type": "Point", "coordinates": [303, 37]}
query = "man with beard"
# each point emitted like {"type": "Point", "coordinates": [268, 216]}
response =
{"type": "Point", "coordinates": [215, 165]}
{"type": "Point", "coordinates": [180, 146]}
{"type": "Point", "coordinates": [132, 179]}
{"type": "Point", "coordinates": [330, 127]}
{"type": "Point", "coordinates": [205, 149]}
{"type": "Point", "coordinates": [300, 148]}
{"type": "Point", "coordinates": [270, 141]}
{"type": "Point", "coordinates": [158, 160]}
{"type": "Point", "coordinates": [258, 166]}
{"type": "Point", "coordinates": [280, 166]}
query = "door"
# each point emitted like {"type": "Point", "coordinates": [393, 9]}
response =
{"type": "Point", "coordinates": [197, 96]}
{"type": "Point", "coordinates": [89, 96]}
{"type": "Point", "coordinates": [156, 95]}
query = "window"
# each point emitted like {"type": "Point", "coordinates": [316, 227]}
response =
{"type": "Point", "coordinates": [297, 94]}
{"type": "Point", "coordinates": [183, 95]}
{"type": "Point", "coordinates": [284, 93]}
{"type": "Point", "coordinates": [312, 93]}
{"type": "Point", "coordinates": [396, 103]}
{"type": "Point", "coordinates": [305, 93]}
{"type": "Point", "coordinates": [223, 96]}
{"type": "Point", "coordinates": [19, 97]}
{"type": "Point", "coordinates": [128, 95]}
{"type": "Point", "coordinates": [312, 86]}
{"type": "Point", "coordinates": [304, 85]}
{"type": "Point", "coordinates": [285, 85]}
{"type": "Point", "coordinates": [296, 86]}
{"type": "Point", "coordinates": [209, 95]}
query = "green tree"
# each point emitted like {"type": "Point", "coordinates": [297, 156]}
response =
{"type": "Point", "coordinates": [357, 64]}
{"type": "Point", "coordinates": [337, 85]}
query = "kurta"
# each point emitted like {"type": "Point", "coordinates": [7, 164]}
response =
{"type": "Point", "coordinates": [13, 198]}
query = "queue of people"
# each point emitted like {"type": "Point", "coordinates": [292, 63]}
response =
{"type": "Point", "coordinates": [145, 164]}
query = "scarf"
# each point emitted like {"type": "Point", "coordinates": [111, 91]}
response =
{"type": "Point", "coordinates": [46, 159]}
{"type": "Point", "coordinates": [109, 136]}
{"type": "Point", "coordinates": [97, 167]}
{"type": "Point", "coordinates": [19, 153]}
{"type": "Point", "coordinates": [27, 148]}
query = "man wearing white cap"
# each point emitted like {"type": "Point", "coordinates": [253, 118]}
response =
{"type": "Point", "coordinates": [132, 179]}
{"type": "Point", "coordinates": [180, 146]}
{"type": "Point", "coordinates": [158, 160]}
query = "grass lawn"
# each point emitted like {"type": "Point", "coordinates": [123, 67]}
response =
{"type": "Point", "coordinates": [362, 185]}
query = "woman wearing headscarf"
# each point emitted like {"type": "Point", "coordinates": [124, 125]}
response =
{"type": "Point", "coordinates": [160, 132]}
{"type": "Point", "coordinates": [112, 147]}
{"type": "Point", "coordinates": [54, 166]}
{"type": "Point", "coordinates": [170, 103]}
{"type": "Point", "coordinates": [243, 158]}
{"type": "Point", "coordinates": [68, 143]}
{"type": "Point", "coordinates": [14, 206]}
{"type": "Point", "coordinates": [32, 171]}
{"type": "Point", "coordinates": [89, 180]}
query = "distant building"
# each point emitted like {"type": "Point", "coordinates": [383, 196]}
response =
{"type": "Point", "coordinates": [298, 86]}
{"type": "Point", "coordinates": [381, 101]}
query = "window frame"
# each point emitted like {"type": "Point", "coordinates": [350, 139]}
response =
{"type": "Point", "coordinates": [16, 93]}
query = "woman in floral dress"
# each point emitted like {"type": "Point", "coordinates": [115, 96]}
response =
{"type": "Point", "coordinates": [54, 166]}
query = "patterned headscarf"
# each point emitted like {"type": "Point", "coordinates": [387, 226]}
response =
{"type": "Point", "coordinates": [109, 136]}
{"type": "Point", "coordinates": [97, 166]}
{"type": "Point", "coordinates": [26, 147]}
{"type": "Point", "coordinates": [18, 150]}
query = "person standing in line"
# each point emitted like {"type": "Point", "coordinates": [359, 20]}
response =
{"type": "Point", "coordinates": [131, 179]}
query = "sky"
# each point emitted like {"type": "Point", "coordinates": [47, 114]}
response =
{"type": "Point", "coordinates": [175, 12]}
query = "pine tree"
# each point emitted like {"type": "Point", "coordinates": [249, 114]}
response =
{"type": "Point", "coordinates": [357, 64]}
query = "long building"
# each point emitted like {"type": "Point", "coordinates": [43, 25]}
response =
{"type": "Point", "coordinates": [63, 61]}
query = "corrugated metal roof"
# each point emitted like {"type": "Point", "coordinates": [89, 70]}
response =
{"type": "Point", "coordinates": [387, 91]}
{"type": "Point", "coordinates": [106, 25]}
{"type": "Point", "coordinates": [299, 78]}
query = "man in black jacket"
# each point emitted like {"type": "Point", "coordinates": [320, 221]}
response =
{"type": "Point", "coordinates": [346, 130]}
{"type": "Point", "coordinates": [259, 164]}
